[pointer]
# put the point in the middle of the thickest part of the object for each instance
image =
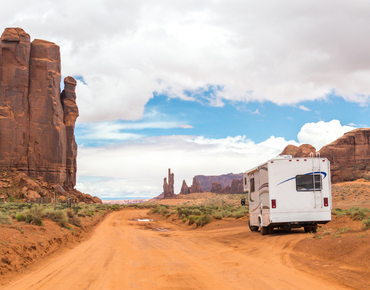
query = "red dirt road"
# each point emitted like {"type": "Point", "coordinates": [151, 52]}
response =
{"type": "Point", "coordinates": [127, 254]}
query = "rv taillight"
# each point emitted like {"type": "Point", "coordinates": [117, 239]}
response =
{"type": "Point", "coordinates": [273, 203]}
{"type": "Point", "coordinates": [326, 201]}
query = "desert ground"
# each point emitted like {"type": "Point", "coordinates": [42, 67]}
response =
{"type": "Point", "coordinates": [162, 252]}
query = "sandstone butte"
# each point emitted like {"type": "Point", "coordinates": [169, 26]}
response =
{"type": "Point", "coordinates": [37, 121]}
{"type": "Point", "coordinates": [349, 155]}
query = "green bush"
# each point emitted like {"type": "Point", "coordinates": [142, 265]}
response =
{"type": "Point", "coordinates": [366, 223]}
{"type": "Point", "coordinates": [34, 215]}
{"type": "Point", "coordinates": [20, 217]}
{"type": "Point", "coordinates": [5, 219]}
{"type": "Point", "coordinates": [357, 213]}
{"type": "Point", "coordinates": [203, 220]}
{"type": "Point", "coordinates": [191, 220]}
{"type": "Point", "coordinates": [11, 198]}
{"type": "Point", "coordinates": [218, 215]}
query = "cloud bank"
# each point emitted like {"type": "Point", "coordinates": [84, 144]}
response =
{"type": "Point", "coordinates": [123, 51]}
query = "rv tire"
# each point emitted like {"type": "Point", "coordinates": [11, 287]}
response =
{"type": "Point", "coordinates": [264, 231]}
{"type": "Point", "coordinates": [270, 229]}
{"type": "Point", "coordinates": [253, 228]}
{"type": "Point", "coordinates": [314, 229]}
{"type": "Point", "coordinates": [307, 229]}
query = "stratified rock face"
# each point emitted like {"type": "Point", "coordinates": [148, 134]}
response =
{"type": "Point", "coordinates": [184, 188]}
{"type": "Point", "coordinates": [216, 187]}
{"type": "Point", "coordinates": [47, 148]}
{"type": "Point", "coordinates": [168, 188]}
{"type": "Point", "coordinates": [70, 108]}
{"type": "Point", "coordinates": [195, 187]}
{"type": "Point", "coordinates": [349, 156]}
{"type": "Point", "coordinates": [224, 180]}
{"type": "Point", "coordinates": [235, 187]}
{"type": "Point", "coordinates": [36, 129]}
{"type": "Point", "coordinates": [15, 50]}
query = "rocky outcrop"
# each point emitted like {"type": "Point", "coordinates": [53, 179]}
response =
{"type": "Point", "coordinates": [224, 180]}
{"type": "Point", "coordinates": [70, 110]}
{"type": "Point", "coordinates": [349, 155]}
{"type": "Point", "coordinates": [36, 127]}
{"type": "Point", "coordinates": [195, 187]}
{"type": "Point", "coordinates": [216, 187]}
{"type": "Point", "coordinates": [302, 151]}
{"type": "Point", "coordinates": [168, 188]}
{"type": "Point", "coordinates": [184, 188]}
{"type": "Point", "coordinates": [235, 187]}
{"type": "Point", "coordinates": [23, 188]}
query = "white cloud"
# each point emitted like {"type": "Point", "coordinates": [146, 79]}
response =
{"type": "Point", "coordinates": [322, 133]}
{"type": "Point", "coordinates": [304, 108]}
{"type": "Point", "coordinates": [282, 51]}
{"type": "Point", "coordinates": [138, 168]}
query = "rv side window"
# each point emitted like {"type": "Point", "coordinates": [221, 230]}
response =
{"type": "Point", "coordinates": [305, 182]}
{"type": "Point", "coordinates": [252, 184]}
{"type": "Point", "coordinates": [245, 181]}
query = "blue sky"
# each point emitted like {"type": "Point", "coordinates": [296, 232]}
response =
{"type": "Point", "coordinates": [201, 87]}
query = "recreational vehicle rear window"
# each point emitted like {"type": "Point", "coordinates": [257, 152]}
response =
{"type": "Point", "coordinates": [305, 182]}
{"type": "Point", "coordinates": [252, 184]}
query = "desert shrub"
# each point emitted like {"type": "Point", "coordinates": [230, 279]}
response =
{"type": "Point", "coordinates": [160, 209]}
{"type": "Point", "coordinates": [203, 220]}
{"type": "Point", "coordinates": [20, 217]}
{"type": "Point", "coordinates": [191, 220]}
{"type": "Point", "coordinates": [5, 219]}
{"type": "Point", "coordinates": [75, 220]}
{"type": "Point", "coordinates": [70, 213]}
{"type": "Point", "coordinates": [59, 216]}
{"type": "Point", "coordinates": [11, 198]}
{"type": "Point", "coordinates": [240, 213]}
{"type": "Point", "coordinates": [338, 212]}
{"type": "Point", "coordinates": [366, 222]}
{"type": "Point", "coordinates": [34, 215]}
{"type": "Point", "coordinates": [184, 220]}
{"type": "Point", "coordinates": [218, 215]}
{"type": "Point", "coordinates": [357, 213]}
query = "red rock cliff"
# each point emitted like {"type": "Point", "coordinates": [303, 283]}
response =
{"type": "Point", "coordinates": [36, 127]}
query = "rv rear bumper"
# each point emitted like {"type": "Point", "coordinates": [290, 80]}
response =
{"type": "Point", "coordinates": [301, 217]}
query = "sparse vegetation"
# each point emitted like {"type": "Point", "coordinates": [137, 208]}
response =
{"type": "Point", "coordinates": [5, 219]}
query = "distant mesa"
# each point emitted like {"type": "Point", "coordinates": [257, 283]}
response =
{"type": "Point", "coordinates": [224, 180]}
{"type": "Point", "coordinates": [37, 121]}
{"type": "Point", "coordinates": [349, 155]}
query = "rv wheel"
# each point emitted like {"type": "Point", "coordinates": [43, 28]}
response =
{"type": "Point", "coordinates": [307, 229]}
{"type": "Point", "coordinates": [264, 231]}
{"type": "Point", "coordinates": [314, 229]}
{"type": "Point", "coordinates": [253, 228]}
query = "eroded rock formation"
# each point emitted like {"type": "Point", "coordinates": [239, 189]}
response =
{"type": "Point", "coordinates": [224, 180]}
{"type": "Point", "coordinates": [36, 121]}
{"type": "Point", "coordinates": [33, 137]}
{"type": "Point", "coordinates": [349, 155]}
{"type": "Point", "coordinates": [235, 187]}
{"type": "Point", "coordinates": [184, 188]}
{"type": "Point", "coordinates": [195, 187]}
{"type": "Point", "coordinates": [302, 151]}
{"type": "Point", "coordinates": [168, 188]}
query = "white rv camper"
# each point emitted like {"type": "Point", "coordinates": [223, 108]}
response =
{"type": "Point", "coordinates": [288, 192]}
